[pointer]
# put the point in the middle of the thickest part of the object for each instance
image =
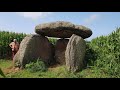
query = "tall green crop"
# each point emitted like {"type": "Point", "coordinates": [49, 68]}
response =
{"type": "Point", "coordinates": [5, 39]}
{"type": "Point", "coordinates": [104, 52]}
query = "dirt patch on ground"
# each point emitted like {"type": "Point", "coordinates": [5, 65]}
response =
{"type": "Point", "coordinates": [55, 65]}
{"type": "Point", "coordinates": [11, 70]}
{"type": "Point", "coordinates": [51, 68]}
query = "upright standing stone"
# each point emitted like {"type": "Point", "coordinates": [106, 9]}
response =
{"type": "Point", "coordinates": [33, 47]}
{"type": "Point", "coordinates": [60, 48]}
{"type": "Point", "coordinates": [75, 53]}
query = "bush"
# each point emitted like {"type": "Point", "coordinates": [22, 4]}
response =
{"type": "Point", "coordinates": [36, 66]}
{"type": "Point", "coordinates": [53, 40]}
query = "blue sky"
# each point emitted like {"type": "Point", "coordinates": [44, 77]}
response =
{"type": "Point", "coordinates": [101, 23]}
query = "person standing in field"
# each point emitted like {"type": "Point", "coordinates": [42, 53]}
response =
{"type": "Point", "coordinates": [15, 47]}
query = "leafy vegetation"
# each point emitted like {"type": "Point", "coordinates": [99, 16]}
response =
{"type": "Point", "coordinates": [39, 65]}
{"type": "Point", "coordinates": [103, 53]}
{"type": "Point", "coordinates": [53, 40]}
{"type": "Point", "coordinates": [5, 39]}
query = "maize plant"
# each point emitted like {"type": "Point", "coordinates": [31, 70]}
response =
{"type": "Point", "coordinates": [5, 39]}
{"type": "Point", "coordinates": [104, 52]}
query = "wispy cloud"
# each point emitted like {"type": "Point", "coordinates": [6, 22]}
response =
{"type": "Point", "coordinates": [91, 18]}
{"type": "Point", "coordinates": [34, 15]}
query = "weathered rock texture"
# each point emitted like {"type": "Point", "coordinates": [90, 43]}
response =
{"type": "Point", "coordinates": [33, 47]}
{"type": "Point", "coordinates": [75, 53]}
{"type": "Point", "coordinates": [61, 29]}
{"type": "Point", "coordinates": [60, 48]}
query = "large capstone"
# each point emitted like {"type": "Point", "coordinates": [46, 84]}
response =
{"type": "Point", "coordinates": [61, 29]}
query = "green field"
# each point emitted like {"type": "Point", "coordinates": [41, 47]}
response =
{"type": "Point", "coordinates": [55, 72]}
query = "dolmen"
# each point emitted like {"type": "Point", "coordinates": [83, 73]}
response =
{"type": "Point", "coordinates": [69, 49]}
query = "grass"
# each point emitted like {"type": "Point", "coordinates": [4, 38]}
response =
{"type": "Point", "coordinates": [56, 72]}
{"type": "Point", "coordinates": [5, 63]}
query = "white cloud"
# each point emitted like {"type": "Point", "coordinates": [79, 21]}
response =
{"type": "Point", "coordinates": [34, 15]}
{"type": "Point", "coordinates": [91, 18]}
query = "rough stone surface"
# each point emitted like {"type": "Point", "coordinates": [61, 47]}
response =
{"type": "Point", "coordinates": [60, 48]}
{"type": "Point", "coordinates": [52, 50]}
{"type": "Point", "coordinates": [61, 29]}
{"type": "Point", "coordinates": [33, 47]}
{"type": "Point", "coordinates": [75, 53]}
